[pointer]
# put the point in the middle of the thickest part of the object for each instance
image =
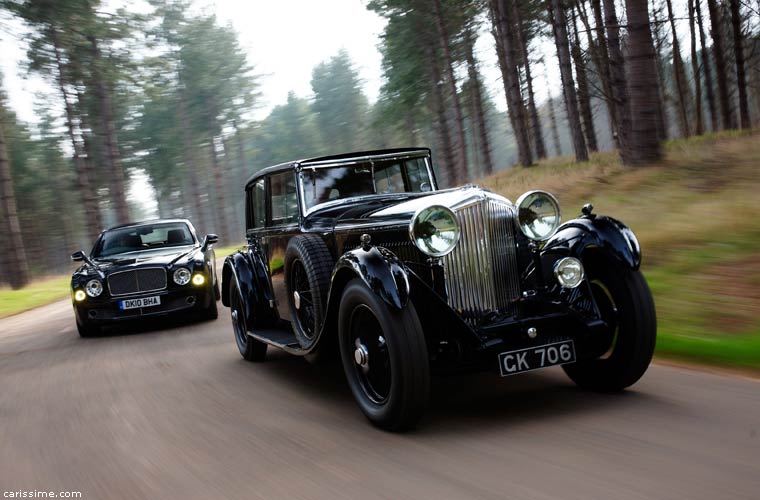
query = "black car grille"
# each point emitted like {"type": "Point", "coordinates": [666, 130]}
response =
{"type": "Point", "coordinates": [137, 280]}
{"type": "Point", "coordinates": [481, 273]}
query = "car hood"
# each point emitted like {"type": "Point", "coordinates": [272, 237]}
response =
{"type": "Point", "coordinates": [381, 210]}
{"type": "Point", "coordinates": [147, 258]}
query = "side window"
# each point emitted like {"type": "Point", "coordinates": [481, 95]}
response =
{"type": "Point", "coordinates": [259, 204]}
{"type": "Point", "coordinates": [419, 180]}
{"type": "Point", "coordinates": [282, 189]}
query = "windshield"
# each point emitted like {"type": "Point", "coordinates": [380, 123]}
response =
{"type": "Point", "coordinates": [145, 237]}
{"type": "Point", "coordinates": [321, 185]}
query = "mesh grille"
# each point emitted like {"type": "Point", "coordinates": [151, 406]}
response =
{"type": "Point", "coordinates": [138, 280]}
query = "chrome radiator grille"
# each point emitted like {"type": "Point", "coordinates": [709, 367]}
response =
{"type": "Point", "coordinates": [481, 272]}
{"type": "Point", "coordinates": [138, 280]}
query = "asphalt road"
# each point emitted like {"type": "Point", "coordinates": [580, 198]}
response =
{"type": "Point", "coordinates": [174, 412]}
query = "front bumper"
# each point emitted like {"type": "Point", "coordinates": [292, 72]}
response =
{"type": "Point", "coordinates": [102, 310]}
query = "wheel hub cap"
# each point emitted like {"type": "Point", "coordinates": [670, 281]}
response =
{"type": "Point", "coordinates": [297, 300]}
{"type": "Point", "coordinates": [234, 316]}
{"type": "Point", "coordinates": [361, 355]}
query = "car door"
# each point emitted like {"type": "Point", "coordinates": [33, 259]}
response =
{"type": "Point", "coordinates": [282, 223]}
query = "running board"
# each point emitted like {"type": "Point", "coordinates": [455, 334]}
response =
{"type": "Point", "coordinates": [282, 338]}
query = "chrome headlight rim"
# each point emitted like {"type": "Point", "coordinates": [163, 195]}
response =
{"type": "Point", "coordinates": [563, 263]}
{"type": "Point", "coordinates": [425, 249]}
{"type": "Point", "coordinates": [552, 200]}
{"type": "Point", "coordinates": [93, 288]}
{"type": "Point", "coordinates": [182, 276]}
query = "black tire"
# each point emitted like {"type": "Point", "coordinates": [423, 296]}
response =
{"type": "Point", "coordinates": [308, 269]}
{"type": "Point", "coordinates": [88, 330]}
{"type": "Point", "coordinates": [395, 395]}
{"type": "Point", "coordinates": [626, 304]}
{"type": "Point", "coordinates": [211, 311]}
{"type": "Point", "coordinates": [250, 348]}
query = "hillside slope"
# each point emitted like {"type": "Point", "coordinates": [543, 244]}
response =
{"type": "Point", "coordinates": [697, 216]}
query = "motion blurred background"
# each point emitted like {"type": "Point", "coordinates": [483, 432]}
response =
{"type": "Point", "coordinates": [113, 111]}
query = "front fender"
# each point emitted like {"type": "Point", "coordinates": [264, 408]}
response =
{"type": "Point", "coordinates": [605, 233]}
{"type": "Point", "coordinates": [251, 277]}
{"type": "Point", "coordinates": [380, 270]}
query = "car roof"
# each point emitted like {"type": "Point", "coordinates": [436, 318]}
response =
{"type": "Point", "coordinates": [150, 221]}
{"type": "Point", "coordinates": [340, 158]}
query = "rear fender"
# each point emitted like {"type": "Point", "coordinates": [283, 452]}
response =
{"type": "Point", "coordinates": [609, 235]}
{"type": "Point", "coordinates": [248, 270]}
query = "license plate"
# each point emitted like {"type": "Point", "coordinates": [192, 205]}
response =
{"type": "Point", "coordinates": [534, 358]}
{"type": "Point", "coordinates": [143, 302]}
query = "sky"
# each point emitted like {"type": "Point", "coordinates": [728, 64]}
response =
{"type": "Point", "coordinates": [284, 40]}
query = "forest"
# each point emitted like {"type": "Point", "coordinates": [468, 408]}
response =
{"type": "Point", "coordinates": [168, 97]}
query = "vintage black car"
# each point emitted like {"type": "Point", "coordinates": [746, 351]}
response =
{"type": "Point", "coordinates": [144, 269]}
{"type": "Point", "coordinates": [361, 254]}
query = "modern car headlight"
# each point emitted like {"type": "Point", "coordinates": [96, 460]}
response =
{"type": "Point", "coordinates": [435, 230]}
{"type": "Point", "coordinates": [569, 272]}
{"type": "Point", "coordinates": [79, 295]}
{"type": "Point", "coordinates": [538, 214]}
{"type": "Point", "coordinates": [182, 276]}
{"type": "Point", "coordinates": [93, 288]}
{"type": "Point", "coordinates": [199, 279]}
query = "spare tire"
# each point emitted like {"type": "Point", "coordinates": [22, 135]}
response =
{"type": "Point", "coordinates": [308, 269]}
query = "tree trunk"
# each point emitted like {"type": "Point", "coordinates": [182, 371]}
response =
{"type": "Point", "coordinates": [242, 172]}
{"type": "Point", "coordinates": [116, 177]}
{"type": "Point", "coordinates": [720, 66]}
{"type": "Point", "coordinates": [191, 168]}
{"type": "Point", "coordinates": [535, 122]}
{"type": "Point", "coordinates": [662, 111]}
{"type": "Point", "coordinates": [220, 198]}
{"type": "Point", "coordinates": [86, 189]}
{"type": "Point", "coordinates": [741, 78]}
{"type": "Point", "coordinates": [642, 86]}
{"type": "Point", "coordinates": [441, 124]}
{"type": "Point", "coordinates": [600, 57]}
{"type": "Point", "coordinates": [559, 24]}
{"type": "Point", "coordinates": [553, 121]}
{"type": "Point", "coordinates": [461, 173]}
{"type": "Point", "coordinates": [617, 79]}
{"type": "Point", "coordinates": [506, 52]}
{"type": "Point", "coordinates": [584, 99]}
{"type": "Point", "coordinates": [699, 127]}
{"type": "Point", "coordinates": [678, 73]}
{"type": "Point", "coordinates": [17, 267]}
{"type": "Point", "coordinates": [477, 97]}
{"type": "Point", "coordinates": [707, 68]}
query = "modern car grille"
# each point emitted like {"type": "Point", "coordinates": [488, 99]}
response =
{"type": "Point", "coordinates": [481, 272]}
{"type": "Point", "coordinates": [138, 280]}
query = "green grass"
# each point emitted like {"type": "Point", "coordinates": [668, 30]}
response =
{"type": "Point", "coordinates": [698, 221]}
{"type": "Point", "coordinates": [39, 293]}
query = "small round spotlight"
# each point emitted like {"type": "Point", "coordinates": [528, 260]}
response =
{"type": "Point", "coordinates": [79, 295]}
{"type": "Point", "coordinates": [199, 279]}
{"type": "Point", "coordinates": [569, 272]}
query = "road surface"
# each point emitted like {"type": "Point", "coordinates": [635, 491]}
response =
{"type": "Point", "coordinates": [172, 411]}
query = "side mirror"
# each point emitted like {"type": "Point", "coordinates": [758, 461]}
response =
{"type": "Point", "coordinates": [210, 239]}
{"type": "Point", "coordinates": [78, 256]}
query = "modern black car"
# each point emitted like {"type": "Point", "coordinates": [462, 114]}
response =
{"type": "Point", "coordinates": [144, 269]}
{"type": "Point", "coordinates": [360, 254]}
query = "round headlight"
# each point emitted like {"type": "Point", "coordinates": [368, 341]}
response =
{"type": "Point", "coordinates": [569, 272]}
{"type": "Point", "coordinates": [538, 214]}
{"type": "Point", "coordinates": [182, 276]}
{"type": "Point", "coordinates": [435, 230]}
{"type": "Point", "coordinates": [79, 296]}
{"type": "Point", "coordinates": [199, 279]}
{"type": "Point", "coordinates": [94, 288]}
